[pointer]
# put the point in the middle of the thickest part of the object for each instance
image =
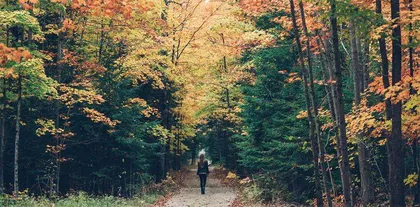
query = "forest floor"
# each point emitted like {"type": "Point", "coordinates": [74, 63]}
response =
{"type": "Point", "coordinates": [217, 194]}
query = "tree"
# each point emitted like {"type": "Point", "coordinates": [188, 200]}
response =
{"type": "Point", "coordinates": [395, 142]}
{"type": "Point", "coordinates": [315, 107]}
{"type": "Point", "coordinates": [341, 123]}
{"type": "Point", "coordinates": [364, 164]}
{"type": "Point", "coordinates": [312, 123]}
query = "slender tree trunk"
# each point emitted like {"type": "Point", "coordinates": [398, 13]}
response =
{"type": "Point", "coordinates": [16, 160]}
{"type": "Point", "coordinates": [332, 111]}
{"type": "Point", "coordinates": [412, 91]}
{"type": "Point", "coordinates": [329, 59]}
{"type": "Point", "coordinates": [355, 64]}
{"type": "Point", "coordinates": [385, 74]}
{"type": "Point", "coordinates": [330, 62]}
{"type": "Point", "coordinates": [3, 136]}
{"type": "Point", "coordinates": [344, 159]}
{"type": "Point", "coordinates": [410, 47]}
{"type": "Point", "coordinates": [328, 75]}
{"type": "Point", "coordinates": [315, 107]}
{"type": "Point", "coordinates": [226, 70]}
{"type": "Point", "coordinates": [395, 143]}
{"type": "Point", "coordinates": [384, 62]}
{"type": "Point", "coordinates": [3, 123]}
{"type": "Point", "coordinates": [57, 115]}
{"type": "Point", "coordinates": [365, 60]}
{"type": "Point", "coordinates": [163, 147]}
{"type": "Point", "coordinates": [175, 151]}
{"type": "Point", "coordinates": [178, 153]}
{"type": "Point", "coordinates": [314, 143]}
{"type": "Point", "coordinates": [193, 151]}
{"type": "Point", "coordinates": [361, 68]}
{"type": "Point", "coordinates": [417, 168]}
{"type": "Point", "coordinates": [364, 165]}
{"type": "Point", "coordinates": [327, 88]}
{"type": "Point", "coordinates": [177, 163]}
{"type": "Point", "coordinates": [162, 161]}
{"type": "Point", "coordinates": [101, 42]}
{"type": "Point", "coordinates": [365, 162]}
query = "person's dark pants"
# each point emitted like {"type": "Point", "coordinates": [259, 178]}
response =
{"type": "Point", "coordinates": [203, 179]}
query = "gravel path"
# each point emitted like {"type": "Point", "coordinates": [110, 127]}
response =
{"type": "Point", "coordinates": [216, 195]}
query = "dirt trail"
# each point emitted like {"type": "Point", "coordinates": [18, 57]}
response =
{"type": "Point", "coordinates": [216, 195]}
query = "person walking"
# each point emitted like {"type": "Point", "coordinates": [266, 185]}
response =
{"type": "Point", "coordinates": [202, 172]}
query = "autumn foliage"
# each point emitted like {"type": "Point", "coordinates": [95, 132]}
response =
{"type": "Point", "coordinates": [307, 101]}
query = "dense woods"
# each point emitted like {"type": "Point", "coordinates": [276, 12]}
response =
{"type": "Point", "coordinates": [314, 102]}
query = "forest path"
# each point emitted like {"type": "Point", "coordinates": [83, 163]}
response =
{"type": "Point", "coordinates": [216, 195]}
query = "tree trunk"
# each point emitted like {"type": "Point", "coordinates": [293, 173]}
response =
{"type": "Point", "coordinates": [417, 168]}
{"type": "Point", "coordinates": [395, 142]}
{"type": "Point", "coordinates": [162, 173]}
{"type": "Point", "coordinates": [327, 56]}
{"type": "Point", "coordinates": [16, 160]}
{"type": "Point", "coordinates": [3, 123]}
{"type": "Point", "coordinates": [315, 107]}
{"type": "Point", "coordinates": [314, 143]}
{"type": "Point", "coordinates": [364, 165]}
{"type": "Point", "coordinates": [329, 59]}
{"type": "Point", "coordinates": [355, 64]}
{"type": "Point", "coordinates": [3, 136]}
{"type": "Point", "coordinates": [330, 62]}
{"type": "Point", "coordinates": [385, 64]}
{"type": "Point", "coordinates": [410, 47]}
{"type": "Point", "coordinates": [164, 146]}
{"type": "Point", "coordinates": [332, 111]}
{"type": "Point", "coordinates": [341, 122]}
{"type": "Point", "coordinates": [101, 42]}
{"type": "Point", "coordinates": [177, 149]}
{"type": "Point", "coordinates": [193, 151]}
{"type": "Point", "coordinates": [365, 60]}
{"type": "Point", "coordinates": [412, 91]}
{"type": "Point", "coordinates": [57, 115]}
{"type": "Point", "coordinates": [327, 88]}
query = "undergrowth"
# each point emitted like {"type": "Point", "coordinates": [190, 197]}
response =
{"type": "Point", "coordinates": [145, 197]}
